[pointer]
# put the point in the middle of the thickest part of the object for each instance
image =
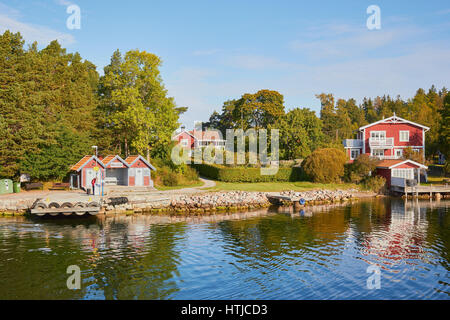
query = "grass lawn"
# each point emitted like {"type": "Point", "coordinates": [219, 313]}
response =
{"type": "Point", "coordinates": [279, 186]}
{"type": "Point", "coordinates": [193, 185]}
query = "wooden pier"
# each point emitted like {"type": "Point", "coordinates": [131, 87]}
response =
{"type": "Point", "coordinates": [437, 190]}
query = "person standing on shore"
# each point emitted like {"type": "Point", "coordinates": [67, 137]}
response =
{"type": "Point", "coordinates": [93, 185]}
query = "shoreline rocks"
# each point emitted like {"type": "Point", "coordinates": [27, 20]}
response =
{"type": "Point", "coordinates": [198, 203]}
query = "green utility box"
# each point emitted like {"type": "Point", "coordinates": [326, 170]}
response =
{"type": "Point", "coordinates": [16, 187]}
{"type": "Point", "coordinates": [6, 186]}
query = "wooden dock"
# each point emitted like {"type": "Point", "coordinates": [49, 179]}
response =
{"type": "Point", "coordinates": [437, 190]}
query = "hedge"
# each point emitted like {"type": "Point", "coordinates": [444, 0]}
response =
{"type": "Point", "coordinates": [244, 174]}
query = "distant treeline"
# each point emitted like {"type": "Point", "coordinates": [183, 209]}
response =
{"type": "Point", "coordinates": [54, 106]}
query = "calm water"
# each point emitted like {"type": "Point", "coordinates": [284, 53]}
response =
{"type": "Point", "coordinates": [320, 254]}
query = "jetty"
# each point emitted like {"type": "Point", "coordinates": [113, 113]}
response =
{"type": "Point", "coordinates": [419, 190]}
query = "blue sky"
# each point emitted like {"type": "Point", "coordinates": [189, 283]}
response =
{"type": "Point", "coordinates": [217, 50]}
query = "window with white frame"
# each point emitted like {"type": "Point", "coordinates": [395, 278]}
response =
{"type": "Point", "coordinates": [377, 152]}
{"type": "Point", "coordinates": [378, 135]}
{"type": "Point", "coordinates": [404, 136]}
{"type": "Point", "coordinates": [184, 142]}
{"type": "Point", "coordinates": [354, 153]}
{"type": "Point", "coordinates": [407, 173]}
{"type": "Point", "coordinates": [399, 153]}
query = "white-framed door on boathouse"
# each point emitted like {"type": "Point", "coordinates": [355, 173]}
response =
{"type": "Point", "coordinates": [139, 177]}
{"type": "Point", "coordinates": [90, 174]}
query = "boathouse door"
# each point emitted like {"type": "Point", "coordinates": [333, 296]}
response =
{"type": "Point", "coordinates": [139, 177]}
{"type": "Point", "coordinates": [90, 174]}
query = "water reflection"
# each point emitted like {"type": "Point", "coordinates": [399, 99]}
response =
{"type": "Point", "coordinates": [320, 252]}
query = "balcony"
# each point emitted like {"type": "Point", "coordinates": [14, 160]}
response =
{"type": "Point", "coordinates": [216, 143]}
{"type": "Point", "coordinates": [381, 143]}
{"type": "Point", "coordinates": [386, 157]}
{"type": "Point", "coordinates": [353, 143]}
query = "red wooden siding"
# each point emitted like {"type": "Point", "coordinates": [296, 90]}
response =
{"type": "Point", "coordinates": [393, 131]}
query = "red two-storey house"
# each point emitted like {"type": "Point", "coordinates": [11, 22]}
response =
{"type": "Point", "coordinates": [387, 139]}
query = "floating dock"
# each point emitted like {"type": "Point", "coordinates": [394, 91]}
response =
{"type": "Point", "coordinates": [40, 208]}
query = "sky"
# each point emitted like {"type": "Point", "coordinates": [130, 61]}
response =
{"type": "Point", "coordinates": [217, 50]}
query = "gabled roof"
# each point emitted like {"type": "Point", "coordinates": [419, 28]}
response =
{"type": "Point", "coordinates": [107, 161]}
{"type": "Point", "coordinates": [184, 131]}
{"type": "Point", "coordinates": [389, 164]}
{"type": "Point", "coordinates": [85, 160]}
{"type": "Point", "coordinates": [132, 159]}
{"type": "Point", "coordinates": [394, 119]}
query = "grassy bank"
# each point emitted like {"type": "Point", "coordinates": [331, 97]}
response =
{"type": "Point", "coordinates": [279, 186]}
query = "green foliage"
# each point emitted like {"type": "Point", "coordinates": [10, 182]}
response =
{"type": "Point", "coordinates": [245, 174]}
{"type": "Point", "coordinates": [376, 184]}
{"type": "Point", "coordinates": [134, 101]}
{"type": "Point", "coordinates": [258, 110]}
{"type": "Point", "coordinates": [325, 165]}
{"type": "Point", "coordinates": [42, 92]}
{"type": "Point", "coordinates": [359, 169]}
{"type": "Point", "coordinates": [410, 154]}
{"type": "Point", "coordinates": [300, 133]}
{"type": "Point", "coordinates": [171, 175]}
{"type": "Point", "coordinates": [53, 159]}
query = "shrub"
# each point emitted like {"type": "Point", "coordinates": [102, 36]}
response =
{"type": "Point", "coordinates": [325, 165]}
{"type": "Point", "coordinates": [246, 174]}
{"type": "Point", "coordinates": [170, 179]}
{"type": "Point", "coordinates": [360, 168]}
{"type": "Point", "coordinates": [376, 184]}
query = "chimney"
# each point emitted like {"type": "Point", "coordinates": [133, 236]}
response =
{"type": "Point", "coordinates": [183, 128]}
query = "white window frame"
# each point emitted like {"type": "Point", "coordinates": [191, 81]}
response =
{"type": "Point", "coordinates": [184, 142]}
{"type": "Point", "coordinates": [381, 135]}
{"type": "Point", "coordinates": [401, 152]}
{"type": "Point", "coordinates": [405, 173]}
{"type": "Point", "coordinates": [372, 153]}
{"type": "Point", "coordinates": [400, 135]}
{"type": "Point", "coordinates": [351, 154]}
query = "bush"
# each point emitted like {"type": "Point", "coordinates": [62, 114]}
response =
{"type": "Point", "coordinates": [245, 174]}
{"type": "Point", "coordinates": [325, 165]}
{"type": "Point", "coordinates": [360, 168]}
{"type": "Point", "coordinates": [170, 179]}
{"type": "Point", "coordinates": [376, 184]}
{"type": "Point", "coordinates": [176, 175]}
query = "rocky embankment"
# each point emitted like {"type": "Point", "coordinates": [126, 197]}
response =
{"type": "Point", "coordinates": [225, 201]}
{"type": "Point", "coordinates": [198, 203]}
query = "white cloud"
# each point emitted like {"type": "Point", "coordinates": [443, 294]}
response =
{"type": "Point", "coordinates": [30, 32]}
{"type": "Point", "coordinates": [337, 41]}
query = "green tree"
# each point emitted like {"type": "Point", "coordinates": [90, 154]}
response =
{"type": "Point", "coordinates": [136, 105]}
{"type": "Point", "coordinates": [300, 133]}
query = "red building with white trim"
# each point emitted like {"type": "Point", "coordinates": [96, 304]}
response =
{"type": "Point", "coordinates": [197, 138]}
{"type": "Point", "coordinates": [387, 138]}
{"type": "Point", "coordinates": [398, 172]}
